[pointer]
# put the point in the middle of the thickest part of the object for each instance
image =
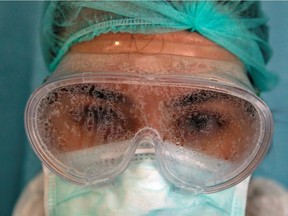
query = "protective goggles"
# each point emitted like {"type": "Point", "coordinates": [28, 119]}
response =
{"type": "Point", "coordinates": [206, 135]}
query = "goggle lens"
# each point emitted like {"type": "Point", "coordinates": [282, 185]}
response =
{"type": "Point", "coordinates": [91, 131]}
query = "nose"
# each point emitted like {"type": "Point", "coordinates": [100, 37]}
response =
{"type": "Point", "coordinates": [151, 98]}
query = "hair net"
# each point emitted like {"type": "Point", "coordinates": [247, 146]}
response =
{"type": "Point", "coordinates": [238, 26]}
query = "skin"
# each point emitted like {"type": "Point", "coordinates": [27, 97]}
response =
{"type": "Point", "coordinates": [169, 53]}
{"type": "Point", "coordinates": [150, 106]}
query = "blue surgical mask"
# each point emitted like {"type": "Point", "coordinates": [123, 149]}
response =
{"type": "Point", "coordinates": [140, 190]}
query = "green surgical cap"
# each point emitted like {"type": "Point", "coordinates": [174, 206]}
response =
{"type": "Point", "coordinates": [238, 26]}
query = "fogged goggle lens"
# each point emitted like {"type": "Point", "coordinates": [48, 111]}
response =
{"type": "Point", "coordinates": [203, 137]}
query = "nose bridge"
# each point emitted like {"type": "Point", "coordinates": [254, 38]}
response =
{"type": "Point", "coordinates": [149, 97]}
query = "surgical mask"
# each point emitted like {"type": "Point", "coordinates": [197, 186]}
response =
{"type": "Point", "coordinates": [206, 135]}
{"type": "Point", "coordinates": [139, 191]}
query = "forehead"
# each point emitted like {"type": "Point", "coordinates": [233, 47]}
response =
{"type": "Point", "coordinates": [180, 53]}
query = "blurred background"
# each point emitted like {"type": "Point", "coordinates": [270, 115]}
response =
{"type": "Point", "coordinates": [22, 70]}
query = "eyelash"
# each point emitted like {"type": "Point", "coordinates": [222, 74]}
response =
{"type": "Point", "coordinates": [204, 123]}
{"type": "Point", "coordinates": [90, 116]}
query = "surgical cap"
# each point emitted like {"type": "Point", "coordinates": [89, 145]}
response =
{"type": "Point", "coordinates": [238, 26]}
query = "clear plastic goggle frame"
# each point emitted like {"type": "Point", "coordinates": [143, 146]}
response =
{"type": "Point", "coordinates": [207, 135]}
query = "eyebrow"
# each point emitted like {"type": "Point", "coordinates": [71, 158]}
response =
{"type": "Point", "coordinates": [200, 96]}
{"type": "Point", "coordinates": [203, 96]}
{"type": "Point", "coordinates": [105, 94]}
{"type": "Point", "coordinates": [91, 90]}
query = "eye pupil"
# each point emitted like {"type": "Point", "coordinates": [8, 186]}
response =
{"type": "Point", "coordinates": [199, 122]}
{"type": "Point", "coordinates": [97, 114]}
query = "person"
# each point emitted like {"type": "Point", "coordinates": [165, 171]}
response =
{"type": "Point", "coordinates": [152, 108]}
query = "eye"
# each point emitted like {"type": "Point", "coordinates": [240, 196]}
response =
{"type": "Point", "coordinates": [201, 123]}
{"type": "Point", "coordinates": [97, 117]}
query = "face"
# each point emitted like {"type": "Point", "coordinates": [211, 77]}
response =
{"type": "Point", "coordinates": [85, 116]}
